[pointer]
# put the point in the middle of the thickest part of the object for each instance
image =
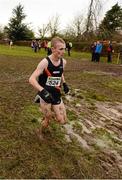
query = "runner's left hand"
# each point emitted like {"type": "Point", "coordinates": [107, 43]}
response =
{"type": "Point", "coordinates": [65, 88]}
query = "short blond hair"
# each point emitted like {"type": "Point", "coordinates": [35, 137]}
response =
{"type": "Point", "coordinates": [55, 40]}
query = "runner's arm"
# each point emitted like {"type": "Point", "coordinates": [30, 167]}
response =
{"type": "Point", "coordinates": [39, 70]}
{"type": "Point", "coordinates": [65, 86]}
{"type": "Point", "coordinates": [62, 77]}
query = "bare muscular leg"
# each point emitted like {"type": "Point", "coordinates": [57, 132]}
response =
{"type": "Point", "coordinates": [60, 112]}
{"type": "Point", "coordinates": [46, 110]}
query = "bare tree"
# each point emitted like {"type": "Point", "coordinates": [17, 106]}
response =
{"type": "Point", "coordinates": [78, 25]}
{"type": "Point", "coordinates": [53, 26]}
{"type": "Point", "coordinates": [75, 28]}
{"type": "Point", "coordinates": [43, 30]}
{"type": "Point", "coordinates": [94, 11]}
{"type": "Point", "coordinates": [1, 32]}
{"type": "Point", "coordinates": [89, 22]}
{"type": "Point", "coordinates": [69, 33]}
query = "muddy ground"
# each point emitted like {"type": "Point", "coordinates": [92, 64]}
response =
{"type": "Point", "coordinates": [88, 146]}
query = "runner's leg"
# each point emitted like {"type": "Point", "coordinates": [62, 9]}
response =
{"type": "Point", "coordinates": [60, 112]}
{"type": "Point", "coordinates": [46, 110]}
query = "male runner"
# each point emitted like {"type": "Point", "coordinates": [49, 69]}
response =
{"type": "Point", "coordinates": [47, 79]}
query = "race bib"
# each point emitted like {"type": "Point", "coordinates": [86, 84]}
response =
{"type": "Point", "coordinates": [53, 81]}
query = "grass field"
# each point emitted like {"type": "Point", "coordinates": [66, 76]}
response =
{"type": "Point", "coordinates": [27, 52]}
{"type": "Point", "coordinates": [88, 146]}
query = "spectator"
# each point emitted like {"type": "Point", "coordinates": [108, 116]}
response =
{"type": "Point", "coordinates": [35, 46]}
{"type": "Point", "coordinates": [49, 51]}
{"type": "Point", "coordinates": [32, 44]}
{"type": "Point", "coordinates": [39, 45]}
{"type": "Point", "coordinates": [109, 52]}
{"type": "Point", "coordinates": [10, 43]}
{"type": "Point", "coordinates": [69, 47]}
{"type": "Point", "coordinates": [120, 55]}
{"type": "Point", "coordinates": [93, 48]}
{"type": "Point", "coordinates": [98, 51]}
{"type": "Point", "coordinates": [45, 43]}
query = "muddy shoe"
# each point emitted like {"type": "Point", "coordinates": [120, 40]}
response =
{"type": "Point", "coordinates": [39, 134]}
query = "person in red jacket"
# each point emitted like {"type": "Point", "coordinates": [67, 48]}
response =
{"type": "Point", "coordinates": [109, 52]}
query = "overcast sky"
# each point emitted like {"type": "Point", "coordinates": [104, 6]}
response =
{"type": "Point", "coordinates": [39, 11]}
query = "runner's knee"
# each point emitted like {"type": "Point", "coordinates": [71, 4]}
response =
{"type": "Point", "coordinates": [45, 123]}
{"type": "Point", "coordinates": [61, 120]}
{"type": "Point", "coordinates": [48, 115]}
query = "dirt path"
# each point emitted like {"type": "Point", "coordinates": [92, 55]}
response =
{"type": "Point", "coordinates": [98, 123]}
{"type": "Point", "coordinates": [100, 127]}
{"type": "Point", "coordinates": [110, 69]}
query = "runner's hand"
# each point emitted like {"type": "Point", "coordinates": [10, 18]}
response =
{"type": "Point", "coordinates": [66, 88]}
{"type": "Point", "coordinates": [45, 95]}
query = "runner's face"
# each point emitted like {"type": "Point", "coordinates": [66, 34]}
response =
{"type": "Point", "coordinates": [59, 50]}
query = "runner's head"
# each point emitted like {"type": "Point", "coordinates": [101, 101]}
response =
{"type": "Point", "coordinates": [58, 47]}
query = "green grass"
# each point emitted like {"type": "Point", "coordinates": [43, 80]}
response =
{"type": "Point", "coordinates": [23, 51]}
{"type": "Point", "coordinates": [77, 128]}
{"type": "Point", "coordinates": [20, 51]}
{"type": "Point", "coordinates": [71, 115]}
{"type": "Point", "coordinates": [79, 55]}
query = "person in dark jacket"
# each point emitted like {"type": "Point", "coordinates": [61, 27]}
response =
{"type": "Point", "coordinates": [121, 54]}
{"type": "Point", "coordinates": [93, 48]}
{"type": "Point", "coordinates": [69, 47]}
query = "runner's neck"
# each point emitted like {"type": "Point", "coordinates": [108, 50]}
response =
{"type": "Point", "coordinates": [54, 58]}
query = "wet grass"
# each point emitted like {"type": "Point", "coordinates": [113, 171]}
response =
{"type": "Point", "coordinates": [107, 138]}
{"type": "Point", "coordinates": [77, 128]}
{"type": "Point", "coordinates": [71, 115]}
{"type": "Point", "coordinates": [97, 87]}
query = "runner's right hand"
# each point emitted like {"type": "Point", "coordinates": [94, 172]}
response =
{"type": "Point", "coordinates": [45, 95]}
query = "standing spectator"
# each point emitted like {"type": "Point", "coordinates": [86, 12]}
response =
{"type": "Point", "coordinates": [120, 54]}
{"type": "Point", "coordinates": [39, 45]}
{"type": "Point", "coordinates": [49, 51]}
{"type": "Point", "coordinates": [98, 51]}
{"type": "Point", "coordinates": [69, 47]}
{"type": "Point", "coordinates": [109, 52]}
{"type": "Point", "coordinates": [35, 46]}
{"type": "Point", "coordinates": [93, 48]}
{"type": "Point", "coordinates": [45, 43]}
{"type": "Point", "coordinates": [32, 44]}
{"type": "Point", "coordinates": [10, 43]}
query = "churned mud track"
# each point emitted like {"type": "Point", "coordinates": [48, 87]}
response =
{"type": "Point", "coordinates": [98, 108]}
{"type": "Point", "coordinates": [104, 68]}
